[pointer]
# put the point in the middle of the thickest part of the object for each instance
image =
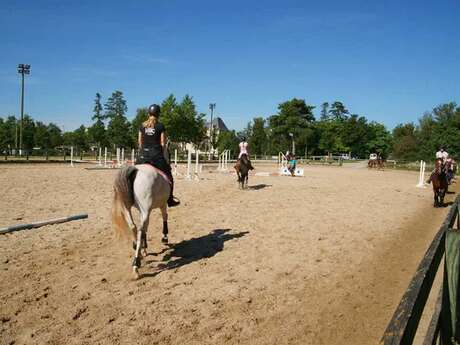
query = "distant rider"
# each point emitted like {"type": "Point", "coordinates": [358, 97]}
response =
{"type": "Point", "coordinates": [244, 150]}
{"type": "Point", "coordinates": [441, 154]}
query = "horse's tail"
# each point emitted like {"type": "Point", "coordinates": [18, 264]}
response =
{"type": "Point", "coordinates": [123, 199]}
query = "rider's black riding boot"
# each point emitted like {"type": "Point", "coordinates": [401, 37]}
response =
{"type": "Point", "coordinates": [171, 200]}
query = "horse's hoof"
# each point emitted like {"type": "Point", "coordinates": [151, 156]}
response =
{"type": "Point", "coordinates": [164, 240]}
{"type": "Point", "coordinates": [136, 274]}
{"type": "Point", "coordinates": [144, 252]}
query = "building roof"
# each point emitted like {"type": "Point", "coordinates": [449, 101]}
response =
{"type": "Point", "coordinates": [218, 123]}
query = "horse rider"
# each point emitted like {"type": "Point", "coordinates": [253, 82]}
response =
{"type": "Point", "coordinates": [152, 146]}
{"type": "Point", "coordinates": [450, 169]}
{"type": "Point", "coordinates": [443, 155]}
{"type": "Point", "coordinates": [243, 145]}
{"type": "Point", "coordinates": [292, 163]}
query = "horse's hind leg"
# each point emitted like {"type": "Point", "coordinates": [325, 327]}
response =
{"type": "Point", "coordinates": [164, 215]}
{"type": "Point", "coordinates": [141, 234]}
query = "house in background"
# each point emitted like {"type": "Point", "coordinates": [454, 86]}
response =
{"type": "Point", "coordinates": [218, 126]}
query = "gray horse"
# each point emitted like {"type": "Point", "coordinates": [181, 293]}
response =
{"type": "Point", "coordinates": [145, 188]}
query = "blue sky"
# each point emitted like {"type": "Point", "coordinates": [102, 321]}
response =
{"type": "Point", "coordinates": [387, 60]}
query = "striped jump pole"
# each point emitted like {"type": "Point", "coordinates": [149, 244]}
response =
{"type": "Point", "coordinates": [43, 223]}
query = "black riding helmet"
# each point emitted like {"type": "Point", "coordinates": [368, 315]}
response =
{"type": "Point", "coordinates": [154, 110]}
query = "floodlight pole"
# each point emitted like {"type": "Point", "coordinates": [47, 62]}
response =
{"type": "Point", "coordinates": [22, 69]}
{"type": "Point", "coordinates": [211, 128]}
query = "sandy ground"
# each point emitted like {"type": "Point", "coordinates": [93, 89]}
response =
{"type": "Point", "coordinates": [322, 259]}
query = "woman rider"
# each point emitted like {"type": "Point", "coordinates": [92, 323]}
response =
{"type": "Point", "coordinates": [152, 143]}
{"type": "Point", "coordinates": [243, 145]}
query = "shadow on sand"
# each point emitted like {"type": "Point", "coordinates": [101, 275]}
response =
{"type": "Point", "coordinates": [259, 186]}
{"type": "Point", "coordinates": [187, 251]}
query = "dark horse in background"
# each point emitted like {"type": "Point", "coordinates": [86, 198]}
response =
{"type": "Point", "coordinates": [242, 170]}
{"type": "Point", "coordinates": [439, 181]}
{"type": "Point", "coordinates": [378, 163]}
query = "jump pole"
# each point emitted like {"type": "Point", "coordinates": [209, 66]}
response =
{"type": "Point", "coordinates": [39, 224]}
{"type": "Point", "coordinates": [421, 175]}
{"type": "Point", "coordinates": [71, 156]}
{"type": "Point", "coordinates": [123, 156]}
{"type": "Point", "coordinates": [189, 165]}
{"type": "Point", "coordinates": [100, 156]}
{"type": "Point", "coordinates": [196, 164]}
{"type": "Point", "coordinates": [175, 162]}
{"type": "Point", "coordinates": [132, 157]}
{"type": "Point", "coordinates": [105, 157]}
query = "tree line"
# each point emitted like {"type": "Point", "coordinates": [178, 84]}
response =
{"type": "Point", "coordinates": [336, 131]}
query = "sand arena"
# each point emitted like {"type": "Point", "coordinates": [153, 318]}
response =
{"type": "Point", "coordinates": [322, 259]}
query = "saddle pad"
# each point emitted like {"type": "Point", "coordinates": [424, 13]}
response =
{"type": "Point", "coordinates": [159, 172]}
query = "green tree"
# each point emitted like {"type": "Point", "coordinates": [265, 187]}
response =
{"type": "Point", "coordinates": [324, 111]}
{"type": "Point", "coordinates": [258, 138]}
{"type": "Point", "coordinates": [97, 132]}
{"type": "Point", "coordinates": [97, 110]}
{"type": "Point", "coordinates": [379, 140]}
{"type": "Point", "coordinates": [447, 130]}
{"type": "Point", "coordinates": [28, 132]}
{"type": "Point", "coordinates": [183, 123]}
{"type": "Point", "coordinates": [169, 116]}
{"type": "Point", "coordinates": [228, 141]}
{"type": "Point", "coordinates": [136, 123]}
{"type": "Point", "coordinates": [338, 111]}
{"type": "Point", "coordinates": [81, 138]}
{"type": "Point", "coordinates": [296, 117]}
{"type": "Point", "coordinates": [405, 142]}
{"type": "Point", "coordinates": [330, 137]}
{"type": "Point", "coordinates": [55, 135]}
{"type": "Point", "coordinates": [41, 136]}
{"type": "Point", "coordinates": [9, 132]}
{"type": "Point", "coordinates": [355, 134]}
{"type": "Point", "coordinates": [115, 106]}
{"type": "Point", "coordinates": [118, 129]}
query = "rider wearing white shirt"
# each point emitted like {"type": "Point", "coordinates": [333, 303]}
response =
{"type": "Point", "coordinates": [243, 149]}
{"type": "Point", "coordinates": [244, 146]}
{"type": "Point", "coordinates": [442, 154]}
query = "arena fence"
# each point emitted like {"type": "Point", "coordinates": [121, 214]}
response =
{"type": "Point", "coordinates": [444, 327]}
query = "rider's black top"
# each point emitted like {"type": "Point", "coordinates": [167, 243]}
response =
{"type": "Point", "coordinates": [152, 136]}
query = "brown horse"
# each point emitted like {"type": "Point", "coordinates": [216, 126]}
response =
{"type": "Point", "coordinates": [242, 169]}
{"type": "Point", "coordinates": [439, 181]}
{"type": "Point", "coordinates": [378, 163]}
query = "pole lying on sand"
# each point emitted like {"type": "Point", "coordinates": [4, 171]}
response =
{"type": "Point", "coordinates": [39, 224]}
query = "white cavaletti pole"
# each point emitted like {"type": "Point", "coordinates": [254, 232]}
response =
{"type": "Point", "coordinates": [175, 162]}
{"type": "Point", "coordinates": [421, 175]}
{"type": "Point", "coordinates": [189, 164]}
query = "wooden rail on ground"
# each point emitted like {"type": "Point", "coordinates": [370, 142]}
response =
{"type": "Point", "coordinates": [403, 326]}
